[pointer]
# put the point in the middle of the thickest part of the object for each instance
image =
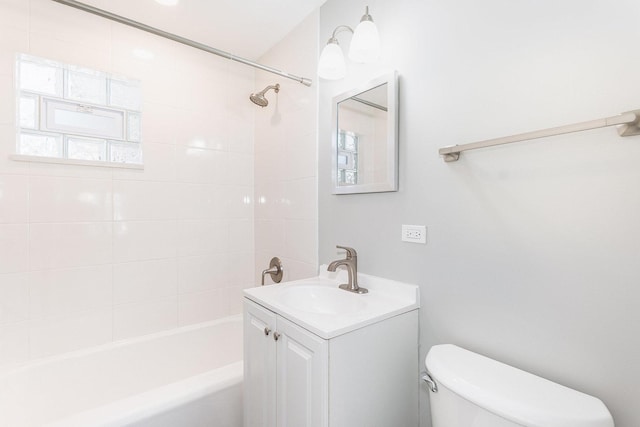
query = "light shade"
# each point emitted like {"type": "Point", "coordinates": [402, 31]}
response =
{"type": "Point", "coordinates": [331, 65]}
{"type": "Point", "coordinates": [365, 45]}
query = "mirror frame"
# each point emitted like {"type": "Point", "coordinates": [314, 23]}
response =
{"type": "Point", "coordinates": [391, 184]}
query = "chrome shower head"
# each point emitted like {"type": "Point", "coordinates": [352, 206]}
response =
{"type": "Point", "coordinates": [259, 98]}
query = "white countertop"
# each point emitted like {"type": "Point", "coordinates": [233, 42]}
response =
{"type": "Point", "coordinates": [386, 298]}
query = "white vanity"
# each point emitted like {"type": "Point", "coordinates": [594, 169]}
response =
{"type": "Point", "coordinates": [318, 356]}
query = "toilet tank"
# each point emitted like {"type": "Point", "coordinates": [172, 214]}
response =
{"type": "Point", "coordinates": [475, 391]}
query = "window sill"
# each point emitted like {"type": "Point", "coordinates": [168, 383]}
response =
{"type": "Point", "coordinates": [58, 161]}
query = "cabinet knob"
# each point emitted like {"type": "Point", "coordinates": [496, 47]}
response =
{"type": "Point", "coordinates": [267, 331]}
{"type": "Point", "coordinates": [276, 335]}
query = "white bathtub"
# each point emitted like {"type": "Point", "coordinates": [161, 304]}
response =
{"type": "Point", "coordinates": [188, 377]}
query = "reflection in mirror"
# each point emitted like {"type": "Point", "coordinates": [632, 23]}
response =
{"type": "Point", "coordinates": [365, 142]}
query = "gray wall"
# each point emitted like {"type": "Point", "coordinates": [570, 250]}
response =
{"type": "Point", "coordinates": [533, 251]}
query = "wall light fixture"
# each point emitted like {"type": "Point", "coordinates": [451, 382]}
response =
{"type": "Point", "coordinates": [365, 48]}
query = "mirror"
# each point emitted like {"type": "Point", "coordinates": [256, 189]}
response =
{"type": "Point", "coordinates": [365, 138]}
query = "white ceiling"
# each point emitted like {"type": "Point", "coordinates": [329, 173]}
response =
{"type": "Point", "coordinates": [245, 28]}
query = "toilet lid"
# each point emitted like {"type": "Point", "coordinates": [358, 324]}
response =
{"type": "Point", "coordinates": [511, 393]}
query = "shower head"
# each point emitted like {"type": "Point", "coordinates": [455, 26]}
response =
{"type": "Point", "coordinates": [259, 98]}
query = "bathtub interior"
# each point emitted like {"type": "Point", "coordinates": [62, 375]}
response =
{"type": "Point", "coordinates": [222, 409]}
{"type": "Point", "coordinates": [210, 399]}
{"type": "Point", "coordinates": [52, 389]}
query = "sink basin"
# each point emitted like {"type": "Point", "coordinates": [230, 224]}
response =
{"type": "Point", "coordinates": [321, 299]}
{"type": "Point", "coordinates": [319, 306]}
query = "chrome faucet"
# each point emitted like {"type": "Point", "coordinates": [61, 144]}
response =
{"type": "Point", "coordinates": [351, 263]}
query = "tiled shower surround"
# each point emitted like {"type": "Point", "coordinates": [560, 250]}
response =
{"type": "Point", "coordinates": [94, 254]}
{"type": "Point", "coordinates": [286, 135]}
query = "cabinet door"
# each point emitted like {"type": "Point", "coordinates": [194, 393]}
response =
{"type": "Point", "coordinates": [302, 372]}
{"type": "Point", "coordinates": [259, 366]}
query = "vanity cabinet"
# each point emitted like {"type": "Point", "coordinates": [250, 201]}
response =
{"type": "Point", "coordinates": [285, 373]}
{"type": "Point", "coordinates": [364, 377]}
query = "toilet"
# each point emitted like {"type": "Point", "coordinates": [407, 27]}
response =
{"type": "Point", "coordinates": [470, 390]}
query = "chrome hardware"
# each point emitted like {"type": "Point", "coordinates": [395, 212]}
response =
{"type": "Point", "coordinates": [276, 336]}
{"type": "Point", "coordinates": [630, 122]}
{"type": "Point", "coordinates": [351, 263]}
{"type": "Point", "coordinates": [267, 331]}
{"type": "Point", "coordinates": [84, 109]}
{"type": "Point", "coordinates": [275, 270]}
{"type": "Point", "coordinates": [430, 382]}
{"type": "Point", "coordinates": [176, 38]}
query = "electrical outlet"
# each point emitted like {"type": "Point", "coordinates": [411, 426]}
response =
{"type": "Point", "coordinates": [414, 234]}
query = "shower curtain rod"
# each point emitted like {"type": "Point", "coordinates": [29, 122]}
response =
{"type": "Point", "coordinates": [135, 24]}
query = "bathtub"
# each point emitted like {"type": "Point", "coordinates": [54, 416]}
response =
{"type": "Point", "coordinates": [187, 377]}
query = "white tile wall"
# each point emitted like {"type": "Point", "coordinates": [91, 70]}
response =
{"type": "Point", "coordinates": [89, 254]}
{"type": "Point", "coordinates": [7, 103]}
{"type": "Point", "coordinates": [239, 202]}
{"type": "Point", "coordinates": [54, 22]}
{"type": "Point", "coordinates": [200, 307]}
{"type": "Point", "coordinates": [159, 162]}
{"type": "Point", "coordinates": [139, 281]}
{"type": "Point", "coordinates": [14, 342]}
{"type": "Point", "coordinates": [298, 204]}
{"type": "Point", "coordinates": [14, 248]}
{"type": "Point", "coordinates": [62, 292]}
{"type": "Point", "coordinates": [68, 51]}
{"type": "Point", "coordinates": [146, 317]}
{"type": "Point", "coordinates": [270, 201]}
{"type": "Point", "coordinates": [241, 236]}
{"type": "Point", "coordinates": [144, 240]}
{"type": "Point", "coordinates": [201, 237]}
{"type": "Point", "coordinates": [231, 297]}
{"type": "Point", "coordinates": [14, 298]}
{"type": "Point", "coordinates": [15, 14]}
{"type": "Point", "coordinates": [198, 165]}
{"type": "Point", "coordinates": [270, 236]}
{"type": "Point", "coordinates": [14, 198]}
{"type": "Point", "coordinates": [72, 244]}
{"type": "Point", "coordinates": [61, 199]}
{"type": "Point", "coordinates": [240, 272]}
{"type": "Point", "coordinates": [159, 121]}
{"type": "Point", "coordinates": [201, 201]}
{"type": "Point", "coordinates": [52, 335]}
{"type": "Point", "coordinates": [286, 161]}
{"type": "Point", "coordinates": [203, 272]}
{"type": "Point", "coordinates": [144, 200]}
{"type": "Point", "coordinates": [11, 40]}
{"type": "Point", "coordinates": [300, 240]}
{"type": "Point", "coordinates": [7, 147]}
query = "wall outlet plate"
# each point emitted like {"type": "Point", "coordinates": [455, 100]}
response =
{"type": "Point", "coordinates": [414, 234]}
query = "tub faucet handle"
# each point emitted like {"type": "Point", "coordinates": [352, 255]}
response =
{"type": "Point", "coordinates": [275, 270]}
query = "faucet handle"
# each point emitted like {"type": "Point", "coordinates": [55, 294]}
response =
{"type": "Point", "coordinates": [351, 253]}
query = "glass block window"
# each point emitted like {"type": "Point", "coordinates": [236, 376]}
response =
{"type": "Point", "coordinates": [347, 158]}
{"type": "Point", "coordinates": [70, 112]}
{"type": "Point", "coordinates": [87, 149]}
{"type": "Point", "coordinates": [28, 106]}
{"type": "Point", "coordinates": [40, 144]}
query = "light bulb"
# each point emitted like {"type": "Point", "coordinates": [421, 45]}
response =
{"type": "Point", "coordinates": [331, 65]}
{"type": "Point", "coordinates": [365, 45]}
